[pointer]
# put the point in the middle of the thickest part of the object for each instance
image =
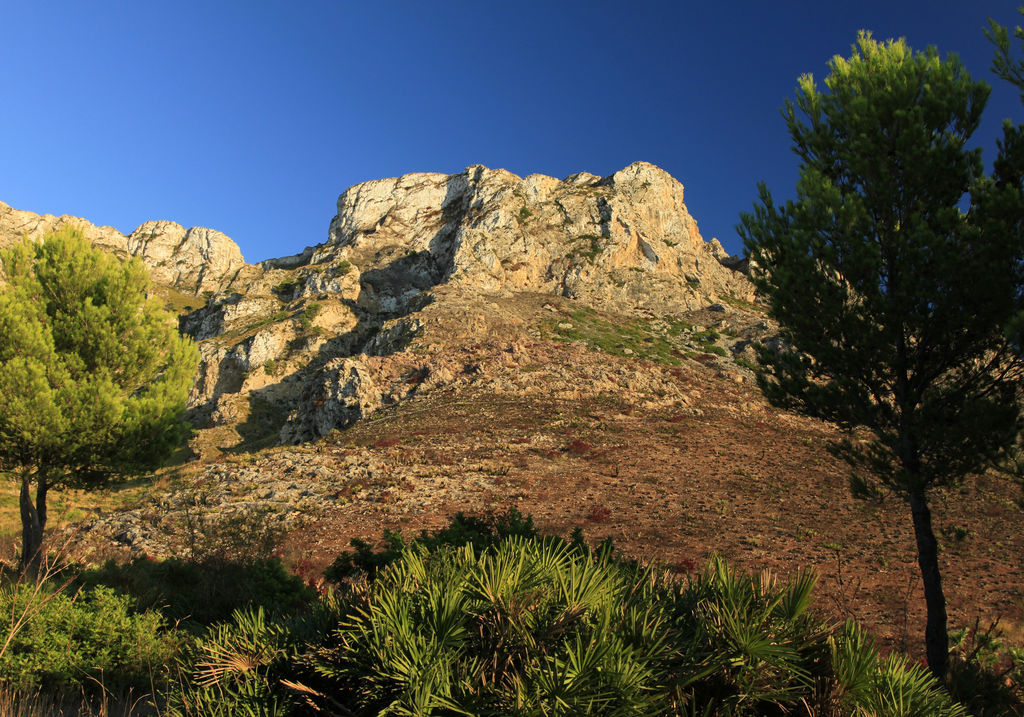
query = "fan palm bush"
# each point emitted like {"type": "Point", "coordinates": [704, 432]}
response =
{"type": "Point", "coordinates": [531, 627]}
{"type": "Point", "coordinates": [746, 643]}
{"type": "Point", "coordinates": [246, 666]}
{"type": "Point", "coordinates": [233, 669]}
{"type": "Point", "coordinates": [528, 625]}
{"type": "Point", "coordinates": [868, 685]}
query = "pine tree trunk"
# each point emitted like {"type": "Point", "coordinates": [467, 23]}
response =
{"type": "Point", "coordinates": [935, 636]}
{"type": "Point", "coordinates": [32, 524]}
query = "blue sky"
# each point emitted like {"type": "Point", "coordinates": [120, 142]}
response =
{"type": "Point", "coordinates": [251, 117]}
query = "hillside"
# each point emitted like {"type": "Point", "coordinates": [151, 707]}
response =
{"type": "Point", "coordinates": [571, 347]}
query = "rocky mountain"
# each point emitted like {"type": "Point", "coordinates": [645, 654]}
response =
{"type": "Point", "coordinates": [295, 347]}
{"type": "Point", "coordinates": [572, 348]}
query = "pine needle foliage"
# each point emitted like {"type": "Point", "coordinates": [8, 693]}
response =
{"type": "Point", "coordinates": [93, 373]}
{"type": "Point", "coordinates": [894, 301]}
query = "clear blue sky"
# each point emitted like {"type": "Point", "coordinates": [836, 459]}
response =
{"type": "Point", "coordinates": [251, 117]}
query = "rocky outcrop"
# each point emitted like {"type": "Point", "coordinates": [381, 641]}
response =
{"type": "Point", "coordinates": [192, 260]}
{"type": "Point", "coordinates": [335, 397]}
{"type": "Point", "coordinates": [15, 224]}
{"type": "Point", "coordinates": [224, 311]}
{"type": "Point", "coordinates": [301, 345]}
{"type": "Point", "coordinates": [622, 241]}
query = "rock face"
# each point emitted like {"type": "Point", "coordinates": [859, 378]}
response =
{"type": "Point", "coordinates": [15, 223]}
{"type": "Point", "coordinates": [336, 396]}
{"type": "Point", "coordinates": [622, 241]}
{"type": "Point", "coordinates": [413, 268]}
{"type": "Point", "coordinates": [193, 260]}
{"type": "Point", "coordinates": [189, 260]}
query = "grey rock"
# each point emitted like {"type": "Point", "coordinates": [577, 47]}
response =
{"type": "Point", "coordinates": [335, 397]}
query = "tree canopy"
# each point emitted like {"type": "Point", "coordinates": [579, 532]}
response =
{"type": "Point", "coordinates": [94, 374]}
{"type": "Point", "coordinates": [894, 275]}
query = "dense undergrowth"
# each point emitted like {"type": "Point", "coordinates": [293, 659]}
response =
{"type": "Point", "coordinates": [483, 617]}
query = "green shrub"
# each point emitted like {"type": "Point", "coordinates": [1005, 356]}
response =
{"type": "Point", "coordinates": [285, 290]}
{"type": "Point", "coordinates": [308, 314]}
{"type": "Point", "coordinates": [75, 641]}
{"type": "Point", "coordinates": [749, 365]}
{"type": "Point", "coordinates": [273, 319]}
{"type": "Point", "coordinates": [202, 593]}
{"type": "Point", "coordinates": [868, 685]}
{"type": "Point", "coordinates": [713, 349]}
{"type": "Point", "coordinates": [634, 338]}
{"type": "Point", "coordinates": [479, 531]}
{"type": "Point", "coordinates": [985, 674]}
{"type": "Point", "coordinates": [486, 617]}
{"type": "Point", "coordinates": [706, 336]}
{"type": "Point", "coordinates": [534, 626]}
{"type": "Point", "coordinates": [496, 627]}
{"type": "Point", "coordinates": [593, 248]}
{"type": "Point", "coordinates": [529, 627]}
{"type": "Point", "coordinates": [236, 668]}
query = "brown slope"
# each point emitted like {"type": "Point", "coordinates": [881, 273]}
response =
{"type": "Point", "coordinates": [672, 462]}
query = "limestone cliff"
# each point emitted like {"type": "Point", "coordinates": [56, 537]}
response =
{"type": "Point", "coordinates": [189, 260]}
{"type": "Point", "coordinates": [622, 241]}
{"type": "Point", "coordinates": [415, 267]}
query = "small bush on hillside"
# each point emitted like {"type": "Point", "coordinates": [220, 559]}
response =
{"type": "Point", "coordinates": [76, 641]}
{"type": "Point", "coordinates": [202, 593]}
{"type": "Point", "coordinates": [713, 349]}
{"type": "Point", "coordinates": [238, 666]}
{"type": "Point", "coordinates": [747, 364]}
{"type": "Point", "coordinates": [479, 531]}
{"type": "Point", "coordinates": [706, 336]}
{"type": "Point", "coordinates": [528, 627]}
{"type": "Point", "coordinates": [286, 289]}
{"type": "Point", "coordinates": [308, 314]}
{"type": "Point", "coordinates": [866, 684]}
{"type": "Point", "coordinates": [985, 674]}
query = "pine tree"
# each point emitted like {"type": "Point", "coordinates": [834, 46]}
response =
{"type": "Point", "coordinates": [893, 301]}
{"type": "Point", "coordinates": [94, 375]}
{"type": "Point", "coordinates": [1008, 167]}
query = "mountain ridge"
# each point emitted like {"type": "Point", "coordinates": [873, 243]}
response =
{"type": "Point", "coordinates": [285, 327]}
{"type": "Point", "coordinates": [475, 341]}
